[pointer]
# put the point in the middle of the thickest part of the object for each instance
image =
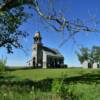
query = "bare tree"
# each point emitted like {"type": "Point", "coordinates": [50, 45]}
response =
{"type": "Point", "coordinates": [73, 27]}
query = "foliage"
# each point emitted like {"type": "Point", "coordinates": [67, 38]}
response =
{"type": "Point", "coordinates": [9, 28]}
{"type": "Point", "coordinates": [95, 52]}
{"type": "Point", "coordinates": [55, 20]}
{"type": "Point", "coordinates": [92, 55]}
{"type": "Point", "coordinates": [83, 55]}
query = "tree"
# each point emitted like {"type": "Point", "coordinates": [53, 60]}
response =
{"type": "Point", "coordinates": [83, 55]}
{"type": "Point", "coordinates": [72, 27]}
{"type": "Point", "coordinates": [92, 55]}
{"type": "Point", "coordinates": [95, 52]}
{"type": "Point", "coordinates": [9, 24]}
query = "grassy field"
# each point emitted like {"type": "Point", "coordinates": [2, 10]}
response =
{"type": "Point", "coordinates": [50, 84]}
{"type": "Point", "coordinates": [40, 74]}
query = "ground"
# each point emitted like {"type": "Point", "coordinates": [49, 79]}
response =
{"type": "Point", "coordinates": [51, 84]}
{"type": "Point", "coordinates": [39, 74]}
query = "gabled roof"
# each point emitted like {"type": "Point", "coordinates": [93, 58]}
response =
{"type": "Point", "coordinates": [52, 52]}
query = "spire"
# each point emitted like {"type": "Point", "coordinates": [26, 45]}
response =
{"type": "Point", "coordinates": [37, 38]}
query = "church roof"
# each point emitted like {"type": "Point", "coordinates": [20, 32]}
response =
{"type": "Point", "coordinates": [52, 52]}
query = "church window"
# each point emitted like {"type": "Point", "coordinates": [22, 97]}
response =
{"type": "Point", "coordinates": [34, 48]}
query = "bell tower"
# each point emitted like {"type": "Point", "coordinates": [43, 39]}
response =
{"type": "Point", "coordinates": [37, 53]}
{"type": "Point", "coordinates": [37, 38]}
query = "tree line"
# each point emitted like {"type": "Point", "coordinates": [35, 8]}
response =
{"type": "Point", "coordinates": [92, 55]}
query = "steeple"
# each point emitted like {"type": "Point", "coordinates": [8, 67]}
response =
{"type": "Point", "coordinates": [37, 38]}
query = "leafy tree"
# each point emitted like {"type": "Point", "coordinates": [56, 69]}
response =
{"type": "Point", "coordinates": [9, 32]}
{"type": "Point", "coordinates": [11, 21]}
{"type": "Point", "coordinates": [83, 55]}
{"type": "Point", "coordinates": [92, 55]}
{"type": "Point", "coordinates": [95, 52]}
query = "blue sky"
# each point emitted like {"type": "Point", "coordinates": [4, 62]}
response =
{"type": "Point", "coordinates": [72, 9]}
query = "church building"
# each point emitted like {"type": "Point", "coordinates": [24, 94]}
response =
{"type": "Point", "coordinates": [44, 57]}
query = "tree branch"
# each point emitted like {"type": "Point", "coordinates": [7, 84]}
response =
{"type": "Point", "coordinates": [61, 21]}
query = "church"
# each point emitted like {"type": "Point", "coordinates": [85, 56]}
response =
{"type": "Point", "coordinates": [44, 57]}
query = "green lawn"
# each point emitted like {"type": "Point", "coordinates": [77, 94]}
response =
{"type": "Point", "coordinates": [39, 74]}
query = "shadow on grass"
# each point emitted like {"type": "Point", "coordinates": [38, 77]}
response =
{"type": "Point", "coordinates": [26, 84]}
{"type": "Point", "coordinates": [6, 77]}
{"type": "Point", "coordinates": [46, 84]}
{"type": "Point", "coordinates": [85, 78]}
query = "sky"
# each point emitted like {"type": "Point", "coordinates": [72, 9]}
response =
{"type": "Point", "coordinates": [85, 10]}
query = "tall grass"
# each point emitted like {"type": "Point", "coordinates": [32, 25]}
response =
{"type": "Point", "coordinates": [13, 95]}
{"type": "Point", "coordinates": [78, 91]}
{"type": "Point", "coordinates": [60, 91]}
{"type": "Point", "coordinates": [3, 62]}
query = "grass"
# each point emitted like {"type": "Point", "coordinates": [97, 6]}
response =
{"type": "Point", "coordinates": [13, 95]}
{"type": "Point", "coordinates": [40, 74]}
{"type": "Point", "coordinates": [50, 84]}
